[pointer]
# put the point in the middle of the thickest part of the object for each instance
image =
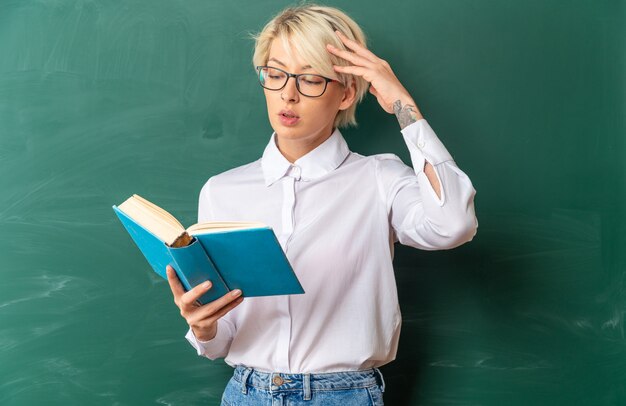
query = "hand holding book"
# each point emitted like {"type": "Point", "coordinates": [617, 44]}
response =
{"type": "Point", "coordinates": [201, 318]}
{"type": "Point", "coordinates": [233, 255]}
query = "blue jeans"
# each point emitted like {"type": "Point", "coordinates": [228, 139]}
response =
{"type": "Point", "coordinates": [248, 387]}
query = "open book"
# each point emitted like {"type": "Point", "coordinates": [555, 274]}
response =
{"type": "Point", "coordinates": [231, 254]}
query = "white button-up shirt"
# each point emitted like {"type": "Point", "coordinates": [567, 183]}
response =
{"type": "Point", "coordinates": [337, 215]}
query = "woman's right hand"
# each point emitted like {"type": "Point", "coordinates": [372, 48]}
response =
{"type": "Point", "coordinates": [201, 318]}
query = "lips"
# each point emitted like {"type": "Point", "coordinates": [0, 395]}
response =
{"type": "Point", "coordinates": [288, 114]}
{"type": "Point", "coordinates": [288, 118]}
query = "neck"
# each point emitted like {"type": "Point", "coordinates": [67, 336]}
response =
{"type": "Point", "coordinates": [293, 150]}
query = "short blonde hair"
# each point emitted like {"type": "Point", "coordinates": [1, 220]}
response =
{"type": "Point", "coordinates": [309, 27]}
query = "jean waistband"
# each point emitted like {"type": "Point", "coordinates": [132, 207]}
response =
{"type": "Point", "coordinates": [278, 381]}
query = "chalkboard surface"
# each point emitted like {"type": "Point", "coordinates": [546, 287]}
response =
{"type": "Point", "coordinates": [102, 99]}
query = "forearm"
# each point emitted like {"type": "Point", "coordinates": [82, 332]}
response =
{"type": "Point", "coordinates": [407, 113]}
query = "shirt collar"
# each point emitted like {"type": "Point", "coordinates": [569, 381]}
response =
{"type": "Point", "coordinates": [324, 158]}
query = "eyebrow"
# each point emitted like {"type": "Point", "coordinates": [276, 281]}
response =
{"type": "Point", "coordinates": [282, 64]}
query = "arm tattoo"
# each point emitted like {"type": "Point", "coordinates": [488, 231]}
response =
{"type": "Point", "coordinates": [405, 114]}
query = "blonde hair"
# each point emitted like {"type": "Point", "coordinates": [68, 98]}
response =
{"type": "Point", "coordinates": [309, 27]}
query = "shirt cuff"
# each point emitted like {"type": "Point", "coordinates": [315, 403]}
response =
{"type": "Point", "coordinates": [424, 145]}
{"type": "Point", "coordinates": [212, 349]}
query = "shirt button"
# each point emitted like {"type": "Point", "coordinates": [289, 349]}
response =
{"type": "Point", "coordinates": [278, 380]}
{"type": "Point", "coordinates": [421, 144]}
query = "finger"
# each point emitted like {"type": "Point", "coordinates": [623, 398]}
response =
{"type": "Point", "coordinates": [221, 312]}
{"type": "Point", "coordinates": [350, 56]}
{"type": "Point", "coordinates": [353, 70]}
{"type": "Point", "coordinates": [356, 47]}
{"type": "Point", "coordinates": [202, 317]}
{"type": "Point", "coordinates": [213, 307]}
{"type": "Point", "coordinates": [190, 299]}
{"type": "Point", "coordinates": [174, 282]}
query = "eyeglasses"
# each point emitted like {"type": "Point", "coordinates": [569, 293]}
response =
{"type": "Point", "coordinates": [309, 85]}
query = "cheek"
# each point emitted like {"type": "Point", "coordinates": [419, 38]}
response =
{"type": "Point", "coordinates": [328, 106]}
{"type": "Point", "coordinates": [269, 98]}
{"type": "Point", "coordinates": [273, 103]}
{"type": "Point", "coordinates": [324, 110]}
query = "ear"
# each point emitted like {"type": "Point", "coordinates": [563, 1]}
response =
{"type": "Point", "coordinates": [349, 96]}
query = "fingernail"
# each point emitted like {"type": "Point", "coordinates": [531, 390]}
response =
{"type": "Point", "coordinates": [206, 285]}
{"type": "Point", "coordinates": [235, 292]}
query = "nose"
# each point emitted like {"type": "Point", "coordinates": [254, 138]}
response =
{"type": "Point", "coordinates": [290, 91]}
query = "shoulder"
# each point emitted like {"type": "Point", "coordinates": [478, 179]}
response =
{"type": "Point", "coordinates": [385, 166]}
{"type": "Point", "coordinates": [387, 159]}
{"type": "Point", "coordinates": [235, 176]}
{"type": "Point", "coordinates": [390, 165]}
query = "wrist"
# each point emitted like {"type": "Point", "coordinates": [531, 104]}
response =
{"type": "Point", "coordinates": [204, 335]}
{"type": "Point", "coordinates": [406, 111]}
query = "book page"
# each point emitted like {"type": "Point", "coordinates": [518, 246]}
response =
{"type": "Point", "coordinates": [165, 215]}
{"type": "Point", "coordinates": [154, 219]}
{"type": "Point", "coordinates": [215, 226]}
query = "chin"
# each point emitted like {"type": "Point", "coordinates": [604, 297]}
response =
{"type": "Point", "coordinates": [288, 132]}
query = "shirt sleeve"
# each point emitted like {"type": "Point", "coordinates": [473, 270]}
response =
{"type": "Point", "coordinates": [217, 347]}
{"type": "Point", "coordinates": [418, 217]}
{"type": "Point", "coordinates": [204, 203]}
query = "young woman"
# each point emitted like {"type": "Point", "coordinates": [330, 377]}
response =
{"type": "Point", "coordinates": [336, 214]}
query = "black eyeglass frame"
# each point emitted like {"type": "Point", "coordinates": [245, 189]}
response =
{"type": "Point", "coordinates": [296, 76]}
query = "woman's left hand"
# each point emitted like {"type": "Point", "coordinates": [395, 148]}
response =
{"type": "Point", "coordinates": [383, 82]}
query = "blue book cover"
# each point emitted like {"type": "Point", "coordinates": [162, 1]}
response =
{"type": "Point", "coordinates": [249, 259]}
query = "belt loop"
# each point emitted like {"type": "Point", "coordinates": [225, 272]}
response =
{"type": "Point", "coordinates": [382, 381]}
{"type": "Point", "coordinates": [306, 383]}
{"type": "Point", "coordinates": [244, 380]}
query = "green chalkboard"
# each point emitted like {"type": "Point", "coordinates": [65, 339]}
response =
{"type": "Point", "coordinates": [102, 99]}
